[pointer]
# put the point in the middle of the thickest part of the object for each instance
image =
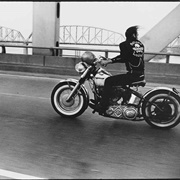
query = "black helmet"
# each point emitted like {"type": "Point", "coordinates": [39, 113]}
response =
{"type": "Point", "coordinates": [88, 57]}
{"type": "Point", "coordinates": [130, 31]}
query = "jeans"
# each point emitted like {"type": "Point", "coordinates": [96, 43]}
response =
{"type": "Point", "coordinates": [118, 80]}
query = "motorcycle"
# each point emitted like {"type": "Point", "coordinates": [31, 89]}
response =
{"type": "Point", "coordinates": [159, 107]}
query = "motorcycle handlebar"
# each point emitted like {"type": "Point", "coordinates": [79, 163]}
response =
{"type": "Point", "coordinates": [102, 57]}
{"type": "Point", "coordinates": [98, 60]}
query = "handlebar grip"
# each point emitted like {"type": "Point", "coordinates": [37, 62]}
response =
{"type": "Point", "coordinates": [104, 58]}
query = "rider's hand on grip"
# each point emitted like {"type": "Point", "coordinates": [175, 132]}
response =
{"type": "Point", "coordinates": [103, 61]}
{"type": "Point", "coordinates": [102, 58]}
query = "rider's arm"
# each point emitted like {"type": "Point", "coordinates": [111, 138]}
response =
{"type": "Point", "coordinates": [117, 59]}
{"type": "Point", "coordinates": [120, 58]}
{"type": "Point", "coordinates": [111, 61]}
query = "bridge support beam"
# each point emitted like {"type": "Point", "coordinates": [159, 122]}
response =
{"type": "Point", "coordinates": [162, 33]}
{"type": "Point", "coordinates": [45, 26]}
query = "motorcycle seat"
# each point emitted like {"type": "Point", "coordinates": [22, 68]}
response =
{"type": "Point", "coordinates": [138, 83]}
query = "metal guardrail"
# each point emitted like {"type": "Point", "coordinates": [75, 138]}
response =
{"type": "Point", "coordinates": [58, 51]}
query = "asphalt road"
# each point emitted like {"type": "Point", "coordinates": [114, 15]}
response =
{"type": "Point", "coordinates": [36, 141]}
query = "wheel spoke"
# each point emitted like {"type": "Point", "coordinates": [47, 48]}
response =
{"type": "Point", "coordinates": [165, 100]}
{"type": "Point", "coordinates": [161, 110]}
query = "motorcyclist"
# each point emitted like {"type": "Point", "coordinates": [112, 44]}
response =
{"type": "Point", "coordinates": [132, 54]}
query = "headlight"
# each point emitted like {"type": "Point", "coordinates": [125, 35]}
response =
{"type": "Point", "coordinates": [80, 67]}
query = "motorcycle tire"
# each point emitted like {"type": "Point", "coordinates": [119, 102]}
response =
{"type": "Point", "coordinates": [71, 109]}
{"type": "Point", "coordinates": [161, 109]}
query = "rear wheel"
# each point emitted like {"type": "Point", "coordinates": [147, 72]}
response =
{"type": "Point", "coordinates": [161, 109]}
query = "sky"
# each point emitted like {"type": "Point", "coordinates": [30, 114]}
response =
{"type": "Point", "coordinates": [112, 15]}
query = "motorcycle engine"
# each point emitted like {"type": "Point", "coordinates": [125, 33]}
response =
{"type": "Point", "coordinates": [115, 110]}
{"type": "Point", "coordinates": [122, 112]}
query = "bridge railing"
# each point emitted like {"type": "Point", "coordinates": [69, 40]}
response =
{"type": "Point", "coordinates": [62, 51]}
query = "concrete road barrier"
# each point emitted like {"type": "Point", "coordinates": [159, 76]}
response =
{"type": "Point", "coordinates": [155, 72]}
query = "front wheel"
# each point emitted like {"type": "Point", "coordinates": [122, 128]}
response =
{"type": "Point", "coordinates": [161, 109]}
{"type": "Point", "coordinates": [73, 108]}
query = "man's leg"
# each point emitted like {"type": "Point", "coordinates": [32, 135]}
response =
{"type": "Point", "coordinates": [121, 79]}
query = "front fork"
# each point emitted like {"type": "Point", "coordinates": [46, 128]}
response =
{"type": "Point", "coordinates": [78, 85]}
{"type": "Point", "coordinates": [73, 92]}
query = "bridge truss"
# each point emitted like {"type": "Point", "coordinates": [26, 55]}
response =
{"type": "Point", "coordinates": [87, 35]}
{"type": "Point", "coordinates": [75, 35]}
{"type": "Point", "coordinates": [9, 35]}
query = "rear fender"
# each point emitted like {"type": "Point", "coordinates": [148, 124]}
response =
{"type": "Point", "coordinates": [172, 91]}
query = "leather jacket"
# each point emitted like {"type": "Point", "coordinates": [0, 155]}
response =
{"type": "Point", "coordinates": [132, 54]}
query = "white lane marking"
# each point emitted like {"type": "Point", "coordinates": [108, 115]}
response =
{"type": "Point", "coordinates": [14, 175]}
{"type": "Point", "coordinates": [21, 95]}
{"type": "Point", "coordinates": [38, 76]}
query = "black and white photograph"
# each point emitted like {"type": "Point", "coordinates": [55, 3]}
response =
{"type": "Point", "coordinates": [89, 89]}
